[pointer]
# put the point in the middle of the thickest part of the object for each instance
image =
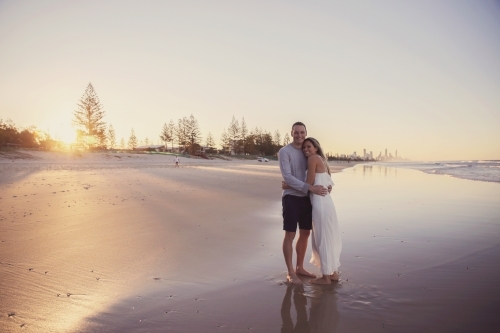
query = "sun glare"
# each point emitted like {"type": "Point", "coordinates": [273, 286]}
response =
{"type": "Point", "coordinates": [60, 129]}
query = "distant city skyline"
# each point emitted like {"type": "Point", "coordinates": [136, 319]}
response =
{"type": "Point", "coordinates": [419, 76]}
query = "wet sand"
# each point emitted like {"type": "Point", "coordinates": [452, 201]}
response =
{"type": "Point", "coordinates": [99, 243]}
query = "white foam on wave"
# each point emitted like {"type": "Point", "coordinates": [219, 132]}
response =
{"type": "Point", "coordinates": [483, 170]}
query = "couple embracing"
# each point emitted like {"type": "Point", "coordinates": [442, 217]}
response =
{"type": "Point", "coordinates": [307, 202]}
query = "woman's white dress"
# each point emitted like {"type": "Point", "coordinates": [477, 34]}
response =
{"type": "Point", "coordinates": [326, 241]}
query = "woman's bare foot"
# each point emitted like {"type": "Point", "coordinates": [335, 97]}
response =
{"type": "Point", "coordinates": [335, 277]}
{"type": "Point", "coordinates": [322, 280]}
{"type": "Point", "coordinates": [302, 271]}
{"type": "Point", "coordinates": [293, 279]}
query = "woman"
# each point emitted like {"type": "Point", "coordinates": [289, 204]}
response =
{"type": "Point", "coordinates": [326, 241]}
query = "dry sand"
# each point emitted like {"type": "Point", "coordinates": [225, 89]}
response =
{"type": "Point", "coordinates": [102, 242]}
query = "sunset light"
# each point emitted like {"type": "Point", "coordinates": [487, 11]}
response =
{"type": "Point", "coordinates": [221, 166]}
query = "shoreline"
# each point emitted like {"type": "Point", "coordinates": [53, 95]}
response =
{"type": "Point", "coordinates": [481, 170]}
{"type": "Point", "coordinates": [60, 160]}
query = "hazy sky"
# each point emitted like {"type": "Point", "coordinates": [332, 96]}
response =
{"type": "Point", "coordinates": [422, 77]}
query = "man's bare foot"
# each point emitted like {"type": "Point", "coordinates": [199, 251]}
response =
{"type": "Point", "coordinates": [335, 277]}
{"type": "Point", "coordinates": [293, 279]}
{"type": "Point", "coordinates": [322, 280]}
{"type": "Point", "coordinates": [302, 271]}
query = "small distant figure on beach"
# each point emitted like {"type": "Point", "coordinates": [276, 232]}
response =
{"type": "Point", "coordinates": [177, 161]}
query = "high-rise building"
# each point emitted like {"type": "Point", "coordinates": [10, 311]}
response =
{"type": "Point", "coordinates": [396, 153]}
{"type": "Point", "coordinates": [385, 152]}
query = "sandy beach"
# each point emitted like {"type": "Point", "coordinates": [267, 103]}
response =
{"type": "Point", "coordinates": [117, 242]}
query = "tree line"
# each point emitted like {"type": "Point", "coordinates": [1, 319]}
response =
{"type": "Point", "coordinates": [29, 137]}
{"type": "Point", "coordinates": [185, 133]}
{"type": "Point", "coordinates": [92, 132]}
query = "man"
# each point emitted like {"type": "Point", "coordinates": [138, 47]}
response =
{"type": "Point", "coordinates": [176, 160]}
{"type": "Point", "coordinates": [297, 207]}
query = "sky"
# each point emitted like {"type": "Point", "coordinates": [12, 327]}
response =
{"type": "Point", "coordinates": [420, 77]}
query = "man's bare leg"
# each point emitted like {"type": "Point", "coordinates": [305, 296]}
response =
{"type": "Point", "coordinates": [301, 248]}
{"type": "Point", "coordinates": [288, 254]}
{"type": "Point", "coordinates": [322, 280]}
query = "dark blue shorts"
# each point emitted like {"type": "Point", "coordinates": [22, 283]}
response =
{"type": "Point", "coordinates": [296, 210]}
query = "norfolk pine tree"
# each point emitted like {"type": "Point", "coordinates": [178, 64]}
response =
{"type": "Point", "coordinates": [165, 135]}
{"type": "Point", "coordinates": [132, 141]}
{"type": "Point", "coordinates": [210, 143]}
{"type": "Point", "coordinates": [243, 134]}
{"type": "Point", "coordinates": [234, 134]}
{"type": "Point", "coordinates": [277, 140]}
{"type": "Point", "coordinates": [181, 132]}
{"type": "Point", "coordinates": [171, 132]}
{"type": "Point", "coordinates": [225, 141]}
{"type": "Point", "coordinates": [111, 137]}
{"type": "Point", "coordinates": [193, 133]}
{"type": "Point", "coordinates": [91, 129]}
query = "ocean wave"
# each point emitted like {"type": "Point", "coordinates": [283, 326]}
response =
{"type": "Point", "coordinates": [479, 170]}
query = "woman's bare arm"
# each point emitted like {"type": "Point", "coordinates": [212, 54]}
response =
{"type": "Point", "coordinates": [311, 170]}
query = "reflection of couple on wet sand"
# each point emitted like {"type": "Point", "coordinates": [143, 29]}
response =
{"type": "Point", "coordinates": [307, 202]}
{"type": "Point", "coordinates": [323, 314]}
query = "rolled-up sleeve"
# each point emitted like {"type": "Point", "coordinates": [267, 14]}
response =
{"type": "Point", "coordinates": [286, 172]}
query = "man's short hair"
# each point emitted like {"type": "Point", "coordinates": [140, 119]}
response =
{"type": "Point", "coordinates": [299, 123]}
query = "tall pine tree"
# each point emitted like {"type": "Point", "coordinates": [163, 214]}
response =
{"type": "Point", "coordinates": [132, 141]}
{"type": "Point", "coordinates": [111, 137]}
{"type": "Point", "coordinates": [165, 135]}
{"type": "Point", "coordinates": [91, 129]}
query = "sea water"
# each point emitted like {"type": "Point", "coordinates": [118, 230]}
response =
{"type": "Point", "coordinates": [482, 170]}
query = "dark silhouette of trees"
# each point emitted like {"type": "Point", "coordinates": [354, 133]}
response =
{"type": "Point", "coordinates": [26, 138]}
{"type": "Point", "coordinates": [193, 134]}
{"type": "Point", "coordinates": [187, 133]}
{"type": "Point", "coordinates": [91, 129]}
{"type": "Point", "coordinates": [260, 142]}
{"type": "Point", "coordinates": [181, 132]}
{"type": "Point", "coordinates": [237, 140]}
{"type": "Point", "coordinates": [8, 133]}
